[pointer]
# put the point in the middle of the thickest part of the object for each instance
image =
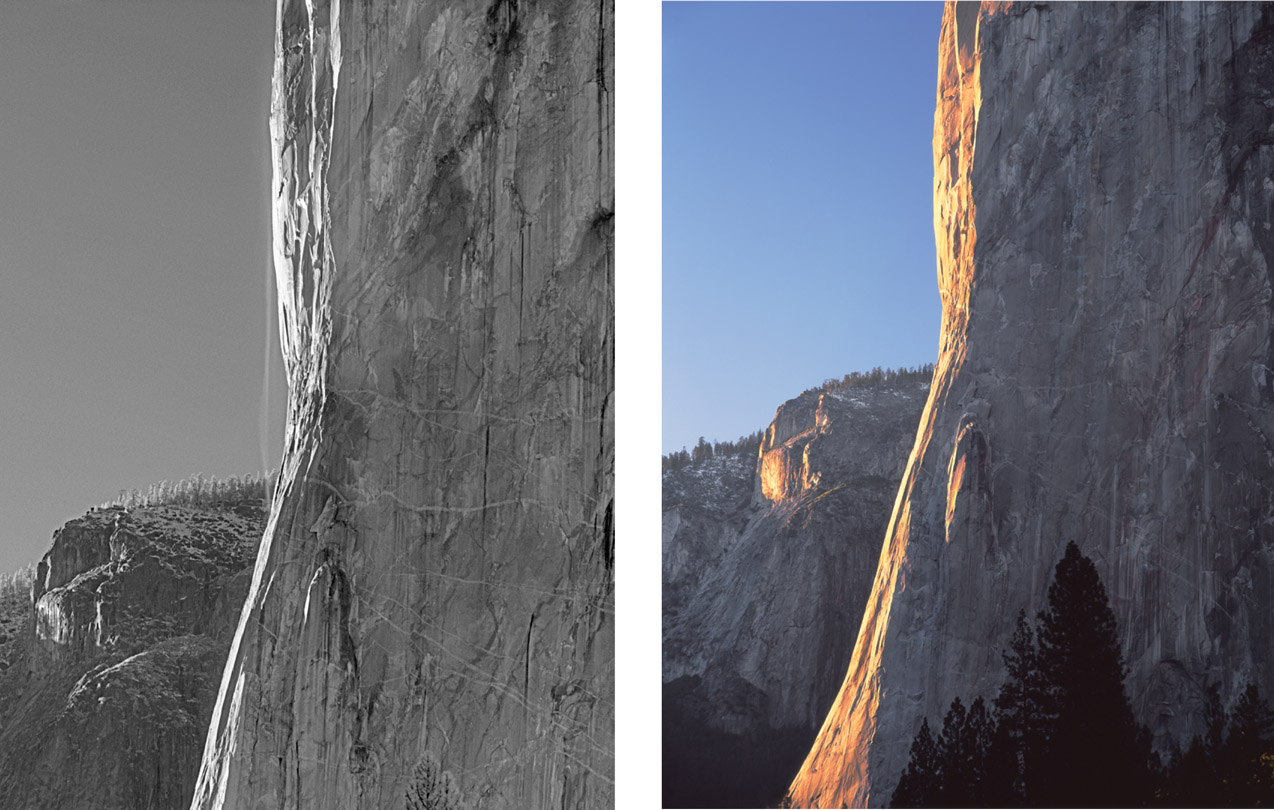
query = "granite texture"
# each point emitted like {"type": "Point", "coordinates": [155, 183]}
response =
{"type": "Point", "coordinates": [1102, 206]}
{"type": "Point", "coordinates": [767, 563]}
{"type": "Point", "coordinates": [107, 691]}
{"type": "Point", "coordinates": [431, 617]}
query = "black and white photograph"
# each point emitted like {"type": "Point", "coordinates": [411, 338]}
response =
{"type": "Point", "coordinates": [307, 327]}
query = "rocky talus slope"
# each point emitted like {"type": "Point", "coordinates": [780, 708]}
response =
{"type": "Point", "coordinates": [767, 563]}
{"type": "Point", "coordinates": [1103, 208]}
{"type": "Point", "coordinates": [431, 617]}
{"type": "Point", "coordinates": [109, 677]}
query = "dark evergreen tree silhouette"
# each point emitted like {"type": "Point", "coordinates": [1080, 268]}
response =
{"type": "Point", "coordinates": [1232, 763]}
{"type": "Point", "coordinates": [1017, 750]}
{"type": "Point", "coordinates": [919, 784]}
{"type": "Point", "coordinates": [1063, 734]}
{"type": "Point", "coordinates": [1247, 756]}
{"type": "Point", "coordinates": [963, 751]}
{"type": "Point", "coordinates": [1087, 722]}
{"type": "Point", "coordinates": [1193, 778]}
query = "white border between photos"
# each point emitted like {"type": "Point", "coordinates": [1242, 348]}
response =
{"type": "Point", "coordinates": [638, 341]}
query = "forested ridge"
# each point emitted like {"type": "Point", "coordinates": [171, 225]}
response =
{"type": "Point", "coordinates": [751, 443]}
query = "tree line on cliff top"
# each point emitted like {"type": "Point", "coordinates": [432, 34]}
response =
{"type": "Point", "coordinates": [744, 445]}
{"type": "Point", "coordinates": [17, 584]}
{"type": "Point", "coordinates": [1061, 732]}
{"type": "Point", "coordinates": [198, 490]}
{"type": "Point", "coordinates": [876, 377]}
{"type": "Point", "coordinates": [750, 444]}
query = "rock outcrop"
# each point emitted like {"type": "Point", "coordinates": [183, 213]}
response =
{"type": "Point", "coordinates": [1103, 209]}
{"type": "Point", "coordinates": [431, 617]}
{"type": "Point", "coordinates": [767, 559]}
{"type": "Point", "coordinates": [107, 690]}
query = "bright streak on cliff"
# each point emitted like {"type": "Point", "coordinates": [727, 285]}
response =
{"type": "Point", "coordinates": [836, 771]}
{"type": "Point", "coordinates": [1103, 374]}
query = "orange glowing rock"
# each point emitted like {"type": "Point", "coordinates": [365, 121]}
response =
{"type": "Point", "coordinates": [1102, 214]}
{"type": "Point", "coordinates": [835, 772]}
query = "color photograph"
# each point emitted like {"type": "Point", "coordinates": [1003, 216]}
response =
{"type": "Point", "coordinates": [968, 405]}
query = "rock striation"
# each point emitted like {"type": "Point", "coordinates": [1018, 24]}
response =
{"type": "Point", "coordinates": [767, 559]}
{"type": "Point", "coordinates": [107, 689]}
{"type": "Point", "coordinates": [431, 617]}
{"type": "Point", "coordinates": [1103, 209]}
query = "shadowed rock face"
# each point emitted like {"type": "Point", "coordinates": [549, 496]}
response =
{"type": "Point", "coordinates": [430, 621]}
{"type": "Point", "coordinates": [1103, 210]}
{"type": "Point", "coordinates": [767, 564]}
{"type": "Point", "coordinates": [105, 696]}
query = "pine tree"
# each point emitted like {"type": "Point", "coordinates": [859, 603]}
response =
{"type": "Point", "coordinates": [1063, 734]}
{"type": "Point", "coordinates": [919, 785]}
{"type": "Point", "coordinates": [963, 750]}
{"type": "Point", "coordinates": [1089, 725]}
{"type": "Point", "coordinates": [1016, 753]}
{"type": "Point", "coordinates": [1247, 754]}
{"type": "Point", "coordinates": [702, 451]}
{"type": "Point", "coordinates": [1194, 777]}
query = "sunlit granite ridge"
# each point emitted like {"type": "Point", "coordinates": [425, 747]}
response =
{"type": "Point", "coordinates": [767, 557]}
{"type": "Point", "coordinates": [1102, 209]}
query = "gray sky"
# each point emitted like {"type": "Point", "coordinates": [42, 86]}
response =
{"type": "Point", "coordinates": [134, 252]}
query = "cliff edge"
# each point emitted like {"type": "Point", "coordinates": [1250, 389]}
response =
{"type": "Point", "coordinates": [109, 667]}
{"type": "Point", "coordinates": [1103, 209]}
{"type": "Point", "coordinates": [767, 559]}
{"type": "Point", "coordinates": [431, 617]}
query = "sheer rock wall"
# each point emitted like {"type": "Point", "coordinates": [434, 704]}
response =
{"type": "Point", "coordinates": [1102, 206]}
{"type": "Point", "coordinates": [431, 618]}
{"type": "Point", "coordinates": [766, 561]}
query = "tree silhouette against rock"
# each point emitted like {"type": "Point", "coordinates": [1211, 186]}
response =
{"type": "Point", "coordinates": [1246, 756]}
{"type": "Point", "coordinates": [1232, 763]}
{"type": "Point", "coordinates": [919, 785]}
{"type": "Point", "coordinates": [1062, 734]}
{"type": "Point", "coordinates": [1088, 724]}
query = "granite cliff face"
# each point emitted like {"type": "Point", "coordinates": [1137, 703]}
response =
{"type": "Point", "coordinates": [1102, 205]}
{"type": "Point", "coordinates": [767, 559]}
{"type": "Point", "coordinates": [430, 621]}
{"type": "Point", "coordinates": [107, 689]}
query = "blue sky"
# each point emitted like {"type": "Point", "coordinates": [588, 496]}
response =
{"type": "Point", "coordinates": [797, 203]}
{"type": "Point", "coordinates": [134, 253]}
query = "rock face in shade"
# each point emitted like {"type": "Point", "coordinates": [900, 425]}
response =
{"type": "Point", "coordinates": [431, 618]}
{"type": "Point", "coordinates": [107, 690]}
{"type": "Point", "coordinates": [768, 561]}
{"type": "Point", "coordinates": [1103, 207]}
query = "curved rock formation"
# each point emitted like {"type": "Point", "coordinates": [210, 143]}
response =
{"type": "Point", "coordinates": [766, 560]}
{"type": "Point", "coordinates": [430, 621]}
{"type": "Point", "coordinates": [106, 694]}
{"type": "Point", "coordinates": [1103, 209]}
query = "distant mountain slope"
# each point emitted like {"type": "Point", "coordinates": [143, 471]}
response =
{"type": "Point", "coordinates": [767, 563]}
{"type": "Point", "coordinates": [109, 668]}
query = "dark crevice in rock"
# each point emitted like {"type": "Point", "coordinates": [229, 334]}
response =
{"type": "Point", "coordinates": [502, 27]}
